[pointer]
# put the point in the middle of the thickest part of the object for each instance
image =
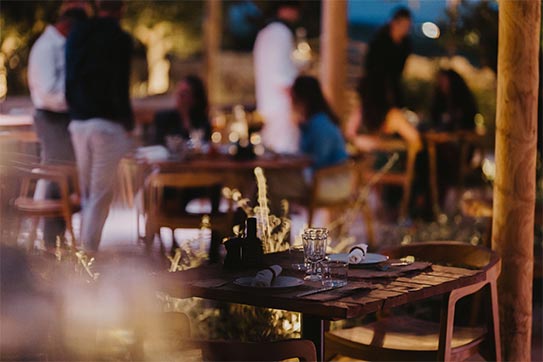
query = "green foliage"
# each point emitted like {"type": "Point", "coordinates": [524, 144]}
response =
{"type": "Point", "coordinates": [472, 28]}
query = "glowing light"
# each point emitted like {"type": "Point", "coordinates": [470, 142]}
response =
{"type": "Point", "coordinates": [430, 30]}
{"type": "Point", "coordinates": [216, 137]}
{"type": "Point", "coordinates": [256, 139]}
{"type": "Point", "coordinates": [489, 169]}
{"type": "Point", "coordinates": [233, 137]}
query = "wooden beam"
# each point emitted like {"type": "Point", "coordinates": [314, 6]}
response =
{"type": "Point", "coordinates": [334, 53]}
{"type": "Point", "coordinates": [212, 32]}
{"type": "Point", "coordinates": [514, 187]}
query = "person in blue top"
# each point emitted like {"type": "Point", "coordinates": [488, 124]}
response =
{"type": "Point", "coordinates": [320, 136]}
{"type": "Point", "coordinates": [320, 139]}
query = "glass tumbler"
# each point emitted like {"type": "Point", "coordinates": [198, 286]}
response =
{"type": "Point", "coordinates": [314, 241]}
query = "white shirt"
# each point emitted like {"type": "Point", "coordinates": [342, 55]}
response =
{"type": "Point", "coordinates": [275, 72]}
{"type": "Point", "coordinates": [47, 72]}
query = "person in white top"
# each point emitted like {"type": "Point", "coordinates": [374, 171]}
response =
{"type": "Point", "coordinates": [275, 72]}
{"type": "Point", "coordinates": [46, 78]}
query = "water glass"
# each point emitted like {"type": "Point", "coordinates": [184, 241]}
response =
{"type": "Point", "coordinates": [334, 273]}
{"type": "Point", "coordinates": [314, 241]}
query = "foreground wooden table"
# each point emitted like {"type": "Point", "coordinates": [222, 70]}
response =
{"type": "Point", "coordinates": [371, 291]}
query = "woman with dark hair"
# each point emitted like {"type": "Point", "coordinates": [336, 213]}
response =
{"type": "Point", "coordinates": [321, 137]}
{"type": "Point", "coordinates": [191, 112]}
{"type": "Point", "coordinates": [454, 107]}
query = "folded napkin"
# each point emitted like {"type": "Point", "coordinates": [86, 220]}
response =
{"type": "Point", "coordinates": [264, 278]}
{"type": "Point", "coordinates": [153, 153]}
{"type": "Point", "coordinates": [357, 254]}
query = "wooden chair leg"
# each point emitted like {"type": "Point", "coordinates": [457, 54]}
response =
{"type": "Point", "coordinates": [446, 328]}
{"type": "Point", "coordinates": [494, 329]}
{"type": "Point", "coordinates": [69, 226]}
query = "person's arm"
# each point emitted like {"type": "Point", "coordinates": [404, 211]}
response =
{"type": "Point", "coordinates": [46, 81]}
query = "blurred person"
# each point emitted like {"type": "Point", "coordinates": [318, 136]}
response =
{"type": "Point", "coordinates": [190, 113]}
{"type": "Point", "coordinates": [320, 139]}
{"type": "Point", "coordinates": [46, 80]}
{"type": "Point", "coordinates": [275, 72]}
{"type": "Point", "coordinates": [454, 106]}
{"type": "Point", "coordinates": [380, 87]}
{"type": "Point", "coordinates": [98, 57]}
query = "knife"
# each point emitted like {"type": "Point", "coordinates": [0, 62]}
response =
{"type": "Point", "coordinates": [316, 291]}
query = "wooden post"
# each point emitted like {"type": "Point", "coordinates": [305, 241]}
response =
{"type": "Point", "coordinates": [514, 187]}
{"type": "Point", "coordinates": [334, 53]}
{"type": "Point", "coordinates": [213, 30]}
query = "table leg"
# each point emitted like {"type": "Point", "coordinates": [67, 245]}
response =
{"type": "Point", "coordinates": [432, 160]}
{"type": "Point", "coordinates": [313, 329]}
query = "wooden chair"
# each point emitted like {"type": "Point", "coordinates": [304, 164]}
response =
{"type": "Point", "coordinates": [337, 187]}
{"type": "Point", "coordinates": [410, 339]}
{"type": "Point", "coordinates": [303, 350]}
{"type": "Point", "coordinates": [403, 179]}
{"type": "Point", "coordinates": [65, 176]}
{"type": "Point", "coordinates": [221, 223]}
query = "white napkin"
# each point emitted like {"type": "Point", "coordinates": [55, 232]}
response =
{"type": "Point", "coordinates": [153, 153]}
{"type": "Point", "coordinates": [357, 254]}
{"type": "Point", "coordinates": [264, 278]}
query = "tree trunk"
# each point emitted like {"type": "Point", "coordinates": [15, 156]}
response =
{"type": "Point", "coordinates": [334, 53]}
{"type": "Point", "coordinates": [514, 187]}
{"type": "Point", "coordinates": [212, 28]}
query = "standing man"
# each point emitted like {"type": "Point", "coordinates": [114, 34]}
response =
{"type": "Point", "coordinates": [46, 78]}
{"type": "Point", "coordinates": [98, 54]}
{"type": "Point", "coordinates": [275, 72]}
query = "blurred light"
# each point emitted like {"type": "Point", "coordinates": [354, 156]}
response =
{"type": "Point", "coordinates": [256, 139]}
{"type": "Point", "coordinates": [472, 38]}
{"type": "Point", "coordinates": [216, 137]}
{"type": "Point", "coordinates": [489, 169]}
{"type": "Point", "coordinates": [233, 137]}
{"type": "Point", "coordinates": [430, 30]}
{"type": "Point", "coordinates": [259, 150]}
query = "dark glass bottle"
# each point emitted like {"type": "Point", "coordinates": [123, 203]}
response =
{"type": "Point", "coordinates": [252, 252]}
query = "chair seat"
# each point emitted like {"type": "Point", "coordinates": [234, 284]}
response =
{"type": "Point", "coordinates": [405, 334]}
{"type": "Point", "coordinates": [41, 207]}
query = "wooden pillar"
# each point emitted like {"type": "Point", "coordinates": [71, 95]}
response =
{"type": "Point", "coordinates": [212, 43]}
{"type": "Point", "coordinates": [514, 187]}
{"type": "Point", "coordinates": [333, 53]}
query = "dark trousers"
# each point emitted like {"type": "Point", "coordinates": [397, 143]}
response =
{"type": "Point", "coordinates": [56, 147]}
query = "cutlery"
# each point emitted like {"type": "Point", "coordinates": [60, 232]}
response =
{"type": "Point", "coordinates": [316, 291]}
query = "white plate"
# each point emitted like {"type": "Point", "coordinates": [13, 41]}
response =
{"type": "Point", "coordinates": [371, 259]}
{"type": "Point", "coordinates": [280, 282]}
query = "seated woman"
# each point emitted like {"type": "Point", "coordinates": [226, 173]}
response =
{"type": "Point", "coordinates": [454, 107]}
{"type": "Point", "coordinates": [191, 112]}
{"type": "Point", "coordinates": [320, 139]}
{"type": "Point", "coordinates": [377, 116]}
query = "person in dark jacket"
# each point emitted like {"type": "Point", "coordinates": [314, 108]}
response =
{"type": "Point", "coordinates": [98, 54]}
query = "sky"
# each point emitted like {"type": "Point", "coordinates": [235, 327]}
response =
{"type": "Point", "coordinates": [379, 11]}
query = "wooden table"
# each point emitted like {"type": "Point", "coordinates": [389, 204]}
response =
{"type": "Point", "coordinates": [465, 139]}
{"type": "Point", "coordinates": [372, 293]}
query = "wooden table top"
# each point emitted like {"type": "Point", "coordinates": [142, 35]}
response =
{"type": "Point", "coordinates": [367, 291]}
{"type": "Point", "coordinates": [223, 162]}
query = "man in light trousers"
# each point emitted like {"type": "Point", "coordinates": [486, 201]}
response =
{"type": "Point", "coordinates": [98, 54]}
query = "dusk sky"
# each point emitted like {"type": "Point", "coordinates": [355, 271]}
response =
{"type": "Point", "coordinates": [379, 11]}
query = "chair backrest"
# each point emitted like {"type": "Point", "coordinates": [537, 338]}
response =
{"type": "Point", "coordinates": [335, 185]}
{"type": "Point", "coordinates": [302, 349]}
{"type": "Point", "coordinates": [448, 253]}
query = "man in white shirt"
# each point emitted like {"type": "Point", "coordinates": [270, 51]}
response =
{"type": "Point", "coordinates": [275, 72]}
{"type": "Point", "coordinates": [46, 78]}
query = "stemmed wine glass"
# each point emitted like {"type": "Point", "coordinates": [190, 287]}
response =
{"type": "Point", "coordinates": [314, 240]}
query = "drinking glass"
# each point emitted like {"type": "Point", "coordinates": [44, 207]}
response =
{"type": "Point", "coordinates": [314, 240]}
{"type": "Point", "coordinates": [334, 273]}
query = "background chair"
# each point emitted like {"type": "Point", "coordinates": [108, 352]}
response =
{"type": "Point", "coordinates": [409, 339]}
{"type": "Point", "coordinates": [65, 176]}
{"type": "Point", "coordinates": [156, 217]}
{"type": "Point", "coordinates": [403, 178]}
